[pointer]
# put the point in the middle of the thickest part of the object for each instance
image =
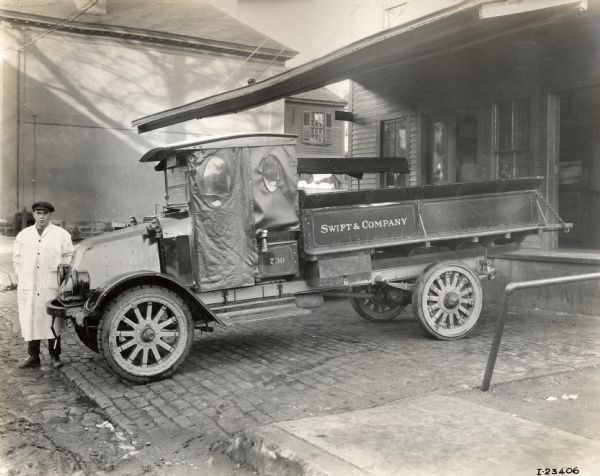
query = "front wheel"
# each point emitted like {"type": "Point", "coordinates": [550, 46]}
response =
{"type": "Point", "coordinates": [146, 333]}
{"type": "Point", "coordinates": [447, 300]}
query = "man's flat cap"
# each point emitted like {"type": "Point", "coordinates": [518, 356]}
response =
{"type": "Point", "coordinates": [43, 206]}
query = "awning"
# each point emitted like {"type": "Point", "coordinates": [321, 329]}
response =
{"type": "Point", "coordinates": [447, 32]}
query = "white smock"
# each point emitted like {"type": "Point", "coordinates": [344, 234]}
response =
{"type": "Point", "coordinates": [36, 259]}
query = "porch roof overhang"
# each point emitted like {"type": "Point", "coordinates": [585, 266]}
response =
{"type": "Point", "coordinates": [447, 32]}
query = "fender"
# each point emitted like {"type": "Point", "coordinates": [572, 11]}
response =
{"type": "Point", "coordinates": [116, 284]}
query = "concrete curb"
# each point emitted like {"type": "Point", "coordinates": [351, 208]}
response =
{"type": "Point", "coordinates": [437, 434]}
{"type": "Point", "coordinates": [257, 450]}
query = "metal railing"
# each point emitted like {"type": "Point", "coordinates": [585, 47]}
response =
{"type": "Point", "coordinates": [508, 290]}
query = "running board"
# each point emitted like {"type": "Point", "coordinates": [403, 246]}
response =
{"type": "Point", "coordinates": [245, 316]}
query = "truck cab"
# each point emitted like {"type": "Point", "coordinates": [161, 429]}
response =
{"type": "Point", "coordinates": [242, 196]}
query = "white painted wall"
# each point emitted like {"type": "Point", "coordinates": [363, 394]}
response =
{"type": "Point", "coordinates": [8, 126]}
{"type": "Point", "coordinates": [78, 96]}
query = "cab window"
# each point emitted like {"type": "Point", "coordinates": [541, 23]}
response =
{"type": "Point", "coordinates": [216, 180]}
{"type": "Point", "coordinates": [176, 182]}
{"type": "Point", "coordinates": [271, 172]}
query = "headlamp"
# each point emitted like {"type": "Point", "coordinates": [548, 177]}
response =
{"type": "Point", "coordinates": [81, 281]}
{"type": "Point", "coordinates": [72, 282]}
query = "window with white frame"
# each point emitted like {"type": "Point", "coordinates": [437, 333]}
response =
{"type": "Point", "coordinates": [316, 128]}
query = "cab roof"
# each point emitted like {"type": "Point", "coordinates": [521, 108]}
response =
{"type": "Point", "coordinates": [253, 139]}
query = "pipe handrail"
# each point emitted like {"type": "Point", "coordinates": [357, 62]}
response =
{"type": "Point", "coordinates": [509, 289]}
{"type": "Point", "coordinates": [537, 283]}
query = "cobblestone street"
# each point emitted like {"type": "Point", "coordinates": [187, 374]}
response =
{"type": "Point", "coordinates": [326, 363]}
{"type": "Point", "coordinates": [330, 362]}
{"type": "Point", "coordinates": [48, 425]}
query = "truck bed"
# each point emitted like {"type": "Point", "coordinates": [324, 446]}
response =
{"type": "Point", "coordinates": [370, 219]}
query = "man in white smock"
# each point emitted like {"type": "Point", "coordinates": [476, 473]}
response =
{"type": "Point", "coordinates": [37, 252]}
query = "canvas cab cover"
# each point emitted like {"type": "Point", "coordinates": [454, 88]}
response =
{"type": "Point", "coordinates": [236, 187]}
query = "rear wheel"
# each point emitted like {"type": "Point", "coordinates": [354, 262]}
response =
{"type": "Point", "coordinates": [376, 305]}
{"type": "Point", "coordinates": [447, 300]}
{"type": "Point", "coordinates": [146, 333]}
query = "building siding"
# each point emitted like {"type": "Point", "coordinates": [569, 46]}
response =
{"type": "Point", "coordinates": [369, 110]}
{"type": "Point", "coordinates": [375, 97]}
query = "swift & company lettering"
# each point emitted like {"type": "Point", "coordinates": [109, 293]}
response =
{"type": "Point", "coordinates": [363, 225]}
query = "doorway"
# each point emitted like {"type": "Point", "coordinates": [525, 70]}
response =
{"type": "Point", "coordinates": [452, 148]}
{"type": "Point", "coordinates": [579, 167]}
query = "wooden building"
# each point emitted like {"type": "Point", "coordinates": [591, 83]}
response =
{"type": "Point", "coordinates": [311, 116]}
{"type": "Point", "coordinates": [478, 90]}
{"type": "Point", "coordinates": [519, 102]}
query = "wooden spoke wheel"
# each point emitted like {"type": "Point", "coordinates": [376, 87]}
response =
{"type": "Point", "coordinates": [374, 306]}
{"type": "Point", "coordinates": [146, 333]}
{"type": "Point", "coordinates": [447, 300]}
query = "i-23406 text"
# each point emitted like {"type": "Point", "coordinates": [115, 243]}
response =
{"type": "Point", "coordinates": [544, 471]}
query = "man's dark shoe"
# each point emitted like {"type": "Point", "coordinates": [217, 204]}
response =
{"type": "Point", "coordinates": [31, 363]}
{"type": "Point", "coordinates": [56, 363]}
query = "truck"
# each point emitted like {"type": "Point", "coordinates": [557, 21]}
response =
{"type": "Point", "coordinates": [237, 241]}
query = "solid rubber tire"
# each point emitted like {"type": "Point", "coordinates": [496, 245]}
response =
{"type": "Point", "coordinates": [373, 315]}
{"type": "Point", "coordinates": [112, 312]}
{"type": "Point", "coordinates": [419, 291]}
